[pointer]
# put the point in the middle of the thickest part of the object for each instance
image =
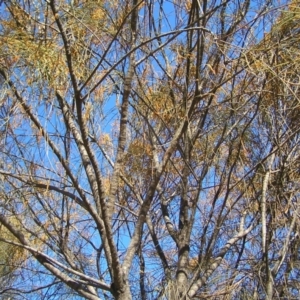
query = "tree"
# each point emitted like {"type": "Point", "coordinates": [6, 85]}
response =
{"type": "Point", "coordinates": [11, 257]}
{"type": "Point", "coordinates": [150, 149]}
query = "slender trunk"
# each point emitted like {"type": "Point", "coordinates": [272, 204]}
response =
{"type": "Point", "coordinates": [269, 277]}
{"type": "Point", "coordinates": [269, 287]}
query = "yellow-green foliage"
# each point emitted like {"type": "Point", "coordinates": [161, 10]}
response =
{"type": "Point", "coordinates": [11, 256]}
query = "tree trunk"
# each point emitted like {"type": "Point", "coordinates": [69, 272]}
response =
{"type": "Point", "coordinates": [125, 294]}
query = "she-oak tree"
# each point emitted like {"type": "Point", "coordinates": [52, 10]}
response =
{"type": "Point", "coordinates": [150, 149]}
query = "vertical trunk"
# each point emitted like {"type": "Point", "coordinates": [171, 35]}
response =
{"type": "Point", "coordinates": [269, 278]}
{"type": "Point", "coordinates": [125, 294]}
{"type": "Point", "coordinates": [182, 282]}
{"type": "Point", "coordinates": [184, 226]}
{"type": "Point", "coordinates": [269, 287]}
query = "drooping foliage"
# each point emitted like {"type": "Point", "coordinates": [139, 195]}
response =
{"type": "Point", "coordinates": [149, 149]}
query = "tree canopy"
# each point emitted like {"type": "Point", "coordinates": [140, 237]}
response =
{"type": "Point", "coordinates": [149, 149]}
